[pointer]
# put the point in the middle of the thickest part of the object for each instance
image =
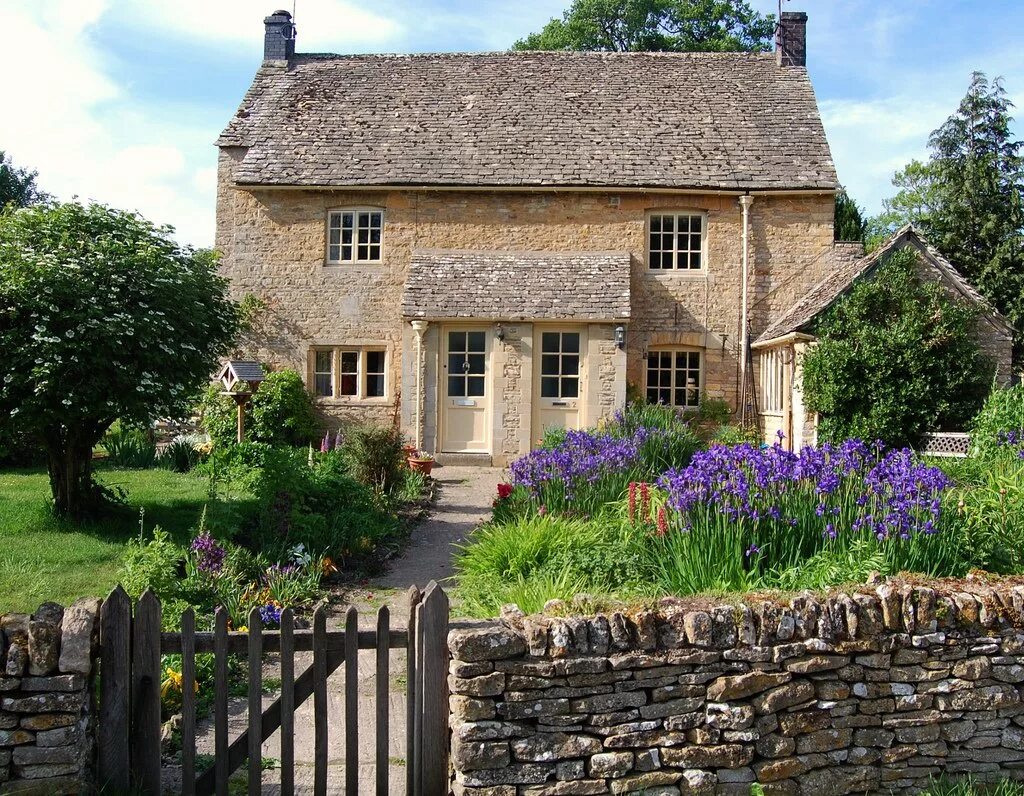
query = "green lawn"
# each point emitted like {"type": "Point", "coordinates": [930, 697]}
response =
{"type": "Point", "coordinates": [42, 558]}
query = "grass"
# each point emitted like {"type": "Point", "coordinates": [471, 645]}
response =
{"type": "Point", "coordinates": [967, 786]}
{"type": "Point", "coordinates": [43, 558]}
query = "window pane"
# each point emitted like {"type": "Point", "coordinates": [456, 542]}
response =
{"type": "Point", "coordinates": [348, 384]}
{"type": "Point", "coordinates": [665, 359]}
{"type": "Point", "coordinates": [684, 224]}
{"type": "Point", "coordinates": [652, 396]}
{"type": "Point", "coordinates": [695, 360]}
{"type": "Point", "coordinates": [668, 224]}
{"type": "Point", "coordinates": [375, 252]}
{"type": "Point", "coordinates": [346, 236]}
{"type": "Point", "coordinates": [364, 253]}
{"type": "Point", "coordinates": [571, 342]}
{"type": "Point", "coordinates": [549, 342]}
{"type": "Point", "coordinates": [695, 242]}
{"type": "Point", "coordinates": [374, 386]}
{"type": "Point", "coordinates": [349, 361]}
{"type": "Point", "coordinates": [322, 383]}
{"type": "Point", "coordinates": [374, 236]}
{"type": "Point", "coordinates": [549, 387]}
{"type": "Point", "coordinates": [570, 365]}
{"type": "Point", "coordinates": [681, 359]}
{"type": "Point", "coordinates": [656, 258]}
{"type": "Point", "coordinates": [680, 398]}
{"type": "Point", "coordinates": [692, 398]}
{"type": "Point", "coordinates": [655, 223]}
{"type": "Point", "coordinates": [549, 365]}
{"type": "Point", "coordinates": [456, 363]}
{"type": "Point", "coordinates": [334, 221]}
{"type": "Point", "coordinates": [456, 341]}
{"type": "Point", "coordinates": [477, 341]}
{"type": "Point", "coordinates": [475, 386]}
{"type": "Point", "coordinates": [333, 253]}
{"type": "Point", "coordinates": [456, 386]}
{"type": "Point", "coordinates": [695, 223]}
{"type": "Point", "coordinates": [570, 388]}
{"type": "Point", "coordinates": [323, 362]}
{"type": "Point", "coordinates": [375, 362]}
{"type": "Point", "coordinates": [364, 235]}
{"type": "Point", "coordinates": [665, 397]}
{"type": "Point", "coordinates": [375, 219]}
{"type": "Point", "coordinates": [346, 252]}
{"type": "Point", "coordinates": [476, 363]}
{"type": "Point", "coordinates": [695, 260]}
{"type": "Point", "coordinates": [335, 237]}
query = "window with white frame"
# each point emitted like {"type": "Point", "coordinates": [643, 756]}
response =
{"type": "Point", "coordinates": [773, 380]}
{"type": "Point", "coordinates": [354, 236]}
{"type": "Point", "coordinates": [674, 377]}
{"type": "Point", "coordinates": [349, 373]}
{"type": "Point", "coordinates": [675, 241]}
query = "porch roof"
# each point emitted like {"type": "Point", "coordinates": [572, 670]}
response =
{"type": "Point", "coordinates": [517, 285]}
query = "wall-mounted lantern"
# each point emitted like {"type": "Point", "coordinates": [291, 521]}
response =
{"type": "Point", "coordinates": [620, 336]}
{"type": "Point", "coordinates": [499, 333]}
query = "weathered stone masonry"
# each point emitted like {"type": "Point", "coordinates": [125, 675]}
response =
{"type": "Point", "coordinates": [46, 724]}
{"type": "Point", "coordinates": [873, 691]}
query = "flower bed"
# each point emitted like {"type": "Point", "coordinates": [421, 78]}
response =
{"type": "Point", "coordinates": [621, 521]}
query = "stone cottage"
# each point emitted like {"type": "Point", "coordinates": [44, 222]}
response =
{"type": "Point", "coordinates": [480, 246]}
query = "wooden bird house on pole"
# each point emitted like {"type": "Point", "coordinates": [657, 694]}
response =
{"type": "Point", "coordinates": [241, 378]}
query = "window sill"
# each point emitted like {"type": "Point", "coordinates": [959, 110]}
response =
{"type": "Point", "coordinates": [662, 275]}
{"type": "Point", "coordinates": [355, 264]}
{"type": "Point", "coordinates": [323, 401]}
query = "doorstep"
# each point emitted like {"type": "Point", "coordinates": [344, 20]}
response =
{"type": "Point", "coordinates": [464, 460]}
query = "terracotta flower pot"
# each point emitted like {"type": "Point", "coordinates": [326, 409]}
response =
{"type": "Point", "coordinates": [421, 465]}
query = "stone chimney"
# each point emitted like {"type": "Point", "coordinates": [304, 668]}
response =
{"type": "Point", "coordinates": [790, 39]}
{"type": "Point", "coordinates": [279, 37]}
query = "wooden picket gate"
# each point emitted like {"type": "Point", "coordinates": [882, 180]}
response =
{"type": "Point", "coordinates": [128, 735]}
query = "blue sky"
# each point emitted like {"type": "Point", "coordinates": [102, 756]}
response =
{"type": "Point", "coordinates": [121, 100]}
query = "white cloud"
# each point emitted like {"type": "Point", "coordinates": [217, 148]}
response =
{"type": "Point", "coordinates": [86, 136]}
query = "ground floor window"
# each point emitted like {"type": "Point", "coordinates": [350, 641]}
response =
{"type": "Point", "coordinates": [674, 377]}
{"type": "Point", "coordinates": [772, 380]}
{"type": "Point", "coordinates": [348, 372]}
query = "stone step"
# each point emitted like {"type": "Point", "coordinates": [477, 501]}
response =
{"type": "Point", "coordinates": [464, 459]}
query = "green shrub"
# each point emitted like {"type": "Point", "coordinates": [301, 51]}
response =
{"type": "Point", "coordinates": [1002, 412]}
{"type": "Point", "coordinates": [375, 456]}
{"type": "Point", "coordinates": [531, 560]}
{"type": "Point", "coordinates": [150, 564]}
{"type": "Point", "coordinates": [730, 434]}
{"type": "Point", "coordinates": [280, 412]}
{"type": "Point", "coordinates": [181, 455]}
{"type": "Point", "coordinates": [895, 358]}
{"type": "Point", "coordinates": [714, 410]}
{"type": "Point", "coordinates": [130, 447]}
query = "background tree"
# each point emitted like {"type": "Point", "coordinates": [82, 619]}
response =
{"type": "Point", "coordinates": [969, 197]}
{"type": "Point", "coordinates": [850, 225]}
{"type": "Point", "coordinates": [662, 25]}
{"type": "Point", "coordinates": [102, 316]}
{"type": "Point", "coordinates": [895, 358]}
{"type": "Point", "coordinates": [17, 186]}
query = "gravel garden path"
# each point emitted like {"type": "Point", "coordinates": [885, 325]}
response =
{"type": "Point", "coordinates": [464, 501]}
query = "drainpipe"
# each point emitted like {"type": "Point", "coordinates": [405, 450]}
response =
{"type": "Point", "coordinates": [419, 327]}
{"type": "Point", "coordinates": [745, 202]}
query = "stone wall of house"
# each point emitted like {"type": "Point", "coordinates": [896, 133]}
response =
{"type": "Point", "coordinates": [46, 729]}
{"type": "Point", "coordinates": [871, 691]}
{"type": "Point", "coordinates": [273, 244]}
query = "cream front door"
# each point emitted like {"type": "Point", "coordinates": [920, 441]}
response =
{"type": "Point", "coordinates": [559, 377]}
{"type": "Point", "coordinates": [465, 380]}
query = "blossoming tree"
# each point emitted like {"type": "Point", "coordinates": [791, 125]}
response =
{"type": "Point", "coordinates": [102, 316]}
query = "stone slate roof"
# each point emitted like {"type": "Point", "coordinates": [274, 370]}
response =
{"type": "Point", "coordinates": [850, 264]}
{"type": "Point", "coordinates": [517, 286]}
{"type": "Point", "coordinates": [667, 120]}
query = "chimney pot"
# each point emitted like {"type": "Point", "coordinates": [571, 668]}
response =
{"type": "Point", "coordinates": [791, 39]}
{"type": "Point", "coordinates": [278, 37]}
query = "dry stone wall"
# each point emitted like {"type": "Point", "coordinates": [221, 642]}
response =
{"type": "Point", "coordinates": [872, 691]}
{"type": "Point", "coordinates": [45, 705]}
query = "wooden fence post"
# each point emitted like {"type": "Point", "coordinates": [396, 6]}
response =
{"type": "Point", "coordinates": [434, 743]}
{"type": "Point", "coordinates": [145, 755]}
{"type": "Point", "coordinates": [411, 691]}
{"type": "Point", "coordinates": [188, 702]}
{"type": "Point", "coordinates": [115, 691]}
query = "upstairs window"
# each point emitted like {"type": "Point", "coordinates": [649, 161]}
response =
{"type": "Point", "coordinates": [675, 242]}
{"type": "Point", "coordinates": [354, 236]}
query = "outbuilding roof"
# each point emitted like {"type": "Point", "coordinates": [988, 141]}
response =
{"type": "Point", "coordinates": [721, 121]}
{"type": "Point", "coordinates": [848, 264]}
{"type": "Point", "coordinates": [514, 286]}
